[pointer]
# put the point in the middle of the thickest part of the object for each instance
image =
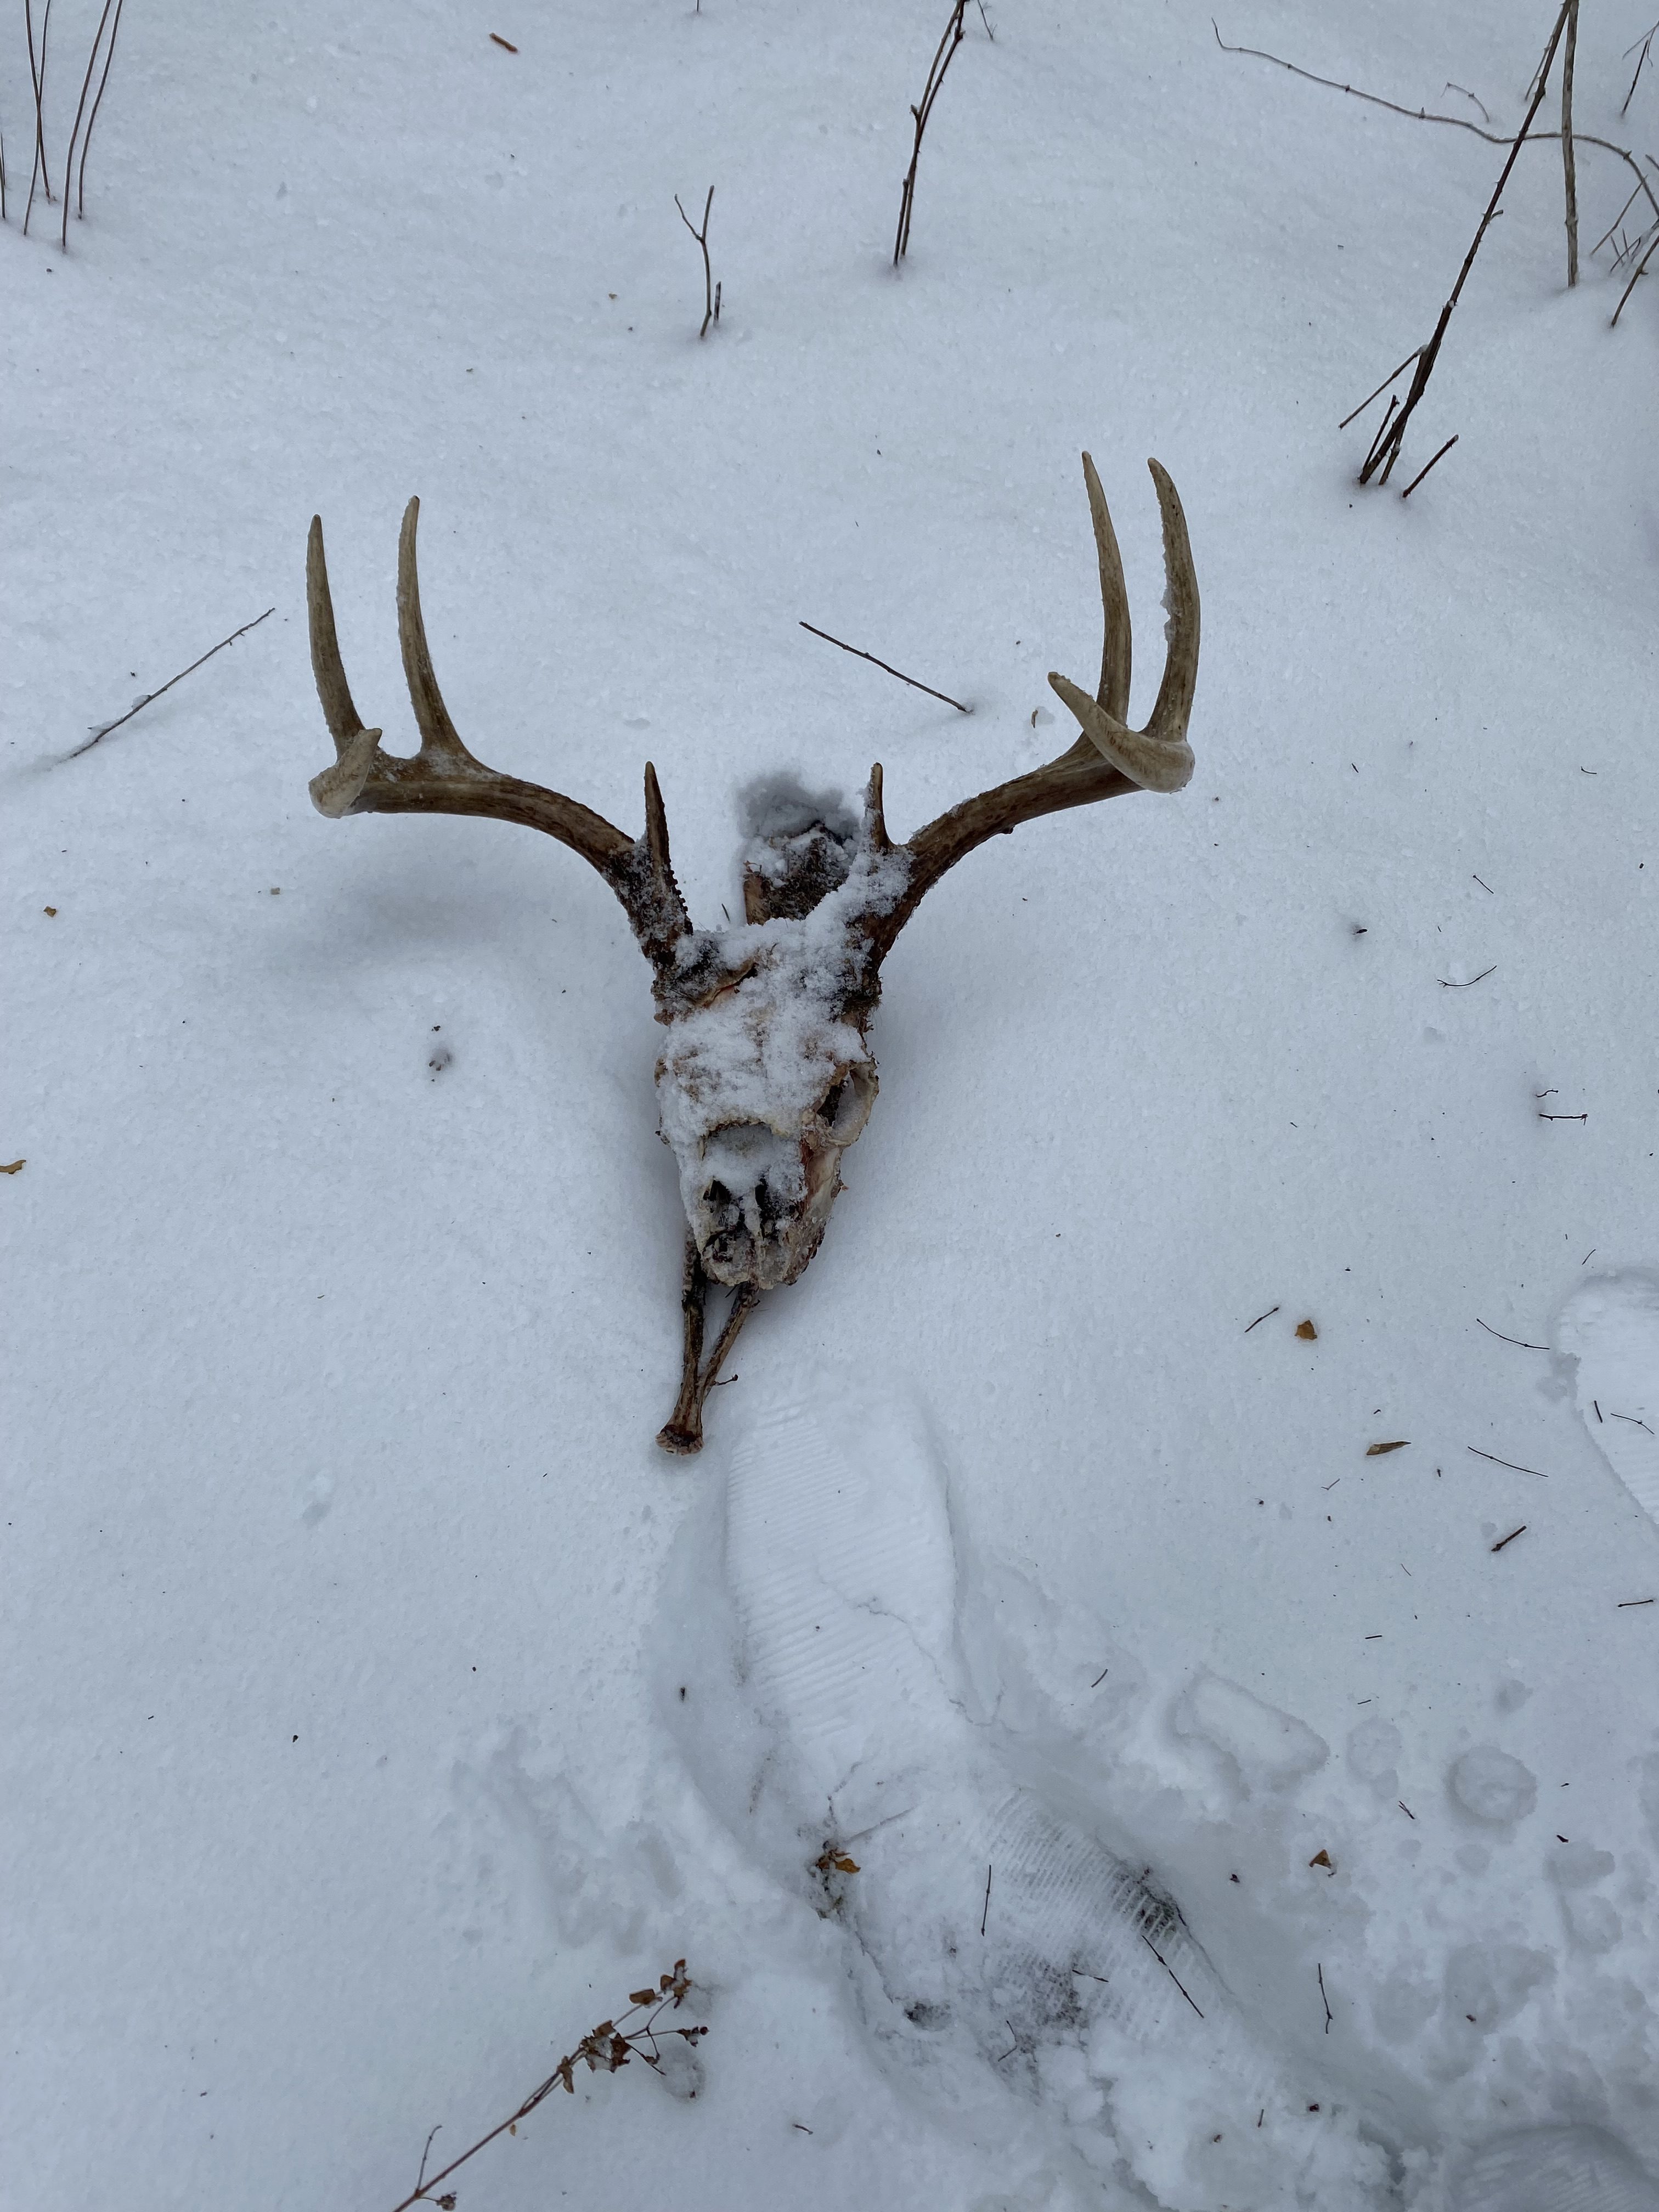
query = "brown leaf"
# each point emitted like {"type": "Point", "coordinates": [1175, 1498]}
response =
{"type": "Point", "coordinates": [843, 1864]}
{"type": "Point", "coordinates": [11, 1167]}
{"type": "Point", "coordinates": [1323, 1858]}
{"type": "Point", "coordinates": [1306, 1331]}
{"type": "Point", "coordinates": [641, 1997]}
{"type": "Point", "coordinates": [1376, 1451]}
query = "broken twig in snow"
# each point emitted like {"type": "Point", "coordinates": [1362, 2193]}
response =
{"type": "Point", "coordinates": [104, 729]}
{"type": "Point", "coordinates": [1514, 1465]}
{"type": "Point", "coordinates": [858, 653]}
{"type": "Point", "coordinates": [1412, 487]}
{"type": "Point", "coordinates": [711, 291]}
{"type": "Point", "coordinates": [1502, 1339]}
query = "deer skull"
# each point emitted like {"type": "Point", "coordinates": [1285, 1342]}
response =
{"type": "Point", "coordinates": [766, 1076]}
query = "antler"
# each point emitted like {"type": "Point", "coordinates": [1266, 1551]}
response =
{"type": "Point", "coordinates": [444, 778]}
{"type": "Point", "coordinates": [1109, 758]}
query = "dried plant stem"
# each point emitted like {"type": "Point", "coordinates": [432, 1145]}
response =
{"type": "Point", "coordinates": [1640, 270]}
{"type": "Point", "coordinates": [37, 80]}
{"type": "Point", "coordinates": [1569, 172]}
{"type": "Point", "coordinates": [1407, 494]}
{"type": "Point", "coordinates": [1386, 451]}
{"type": "Point", "coordinates": [945, 54]}
{"type": "Point", "coordinates": [711, 296]}
{"type": "Point", "coordinates": [80, 110]}
{"type": "Point", "coordinates": [858, 653]}
{"type": "Point", "coordinates": [97, 101]}
{"type": "Point", "coordinates": [1645, 42]}
{"type": "Point", "coordinates": [605, 2048]}
{"type": "Point", "coordinates": [138, 705]}
{"type": "Point", "coordinates": [1452, 122]}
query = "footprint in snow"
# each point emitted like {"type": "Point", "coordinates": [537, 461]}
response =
{"type": "Point", "coordinates": [1610, 1327]}
{"type": "Point", "coordinates": [999, 1947]}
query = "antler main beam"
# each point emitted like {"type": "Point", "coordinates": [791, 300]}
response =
{"type": "Point", "coordinates": [445, 778]}
{"type": "Point", "coordinates": [1110, 758]}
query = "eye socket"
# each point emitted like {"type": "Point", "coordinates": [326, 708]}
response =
{"type": "Point", "coordinates": [845, 1106]}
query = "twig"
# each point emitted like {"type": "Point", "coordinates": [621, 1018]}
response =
{"type": "Point", "coordinates": [1511, 1538]}
{"type": "Point", "coordinates": [1502, 1339]}
{"type": "Point", "coordinates": [1431, 353]}
{"type": "Point", "coordinates": [1386, 382]}
{"type": "Point", "coordinates": [1563, 1117]}
{"type": "Point", "coordinates": [1453, 122]}
{"type": "Point", "coordinates": [1407, 494]}
{"type": "Point", "coordinates": [862, 655]}
{"type": "Point", "coordinates": [1493, 970]}
{"type": "Point", "coordinates": [38, 79]}
{"type": "Point", "coordinates": [605, 2047]}
{"type": "Point", "coordinates": [711, 305]}
{"type": "Point", "coordinates": [986, 1914]}
{"type": "Point", "coordinates": [86, 142]}
{"type": "Point", "coordinates": [97, 735]}
{"type": "Point", "coordinates": [1514, 1465]}
{"type": "Point", "coordinates": [1467, 94]}
{"type": "Point", "coordinates": [1324, 1999]}
{"type": "Point", "coordinates": [497, 40]}
{"type": "Point", "coordinates": [1259, 1318]}
{"type": "Point", "coordinates": [1569, 172]}
{"type": "Point", "coordinates": [1645, 42]}
{"type": "Point", "coordinates": [1168, 1969]}
{"type": "Point", "coordinates": [1640, 271]}
{"type": "Point", "coordinates": [986, 20]}
{"type": "Point", "coordinates": [945, 55]}
{"type": "Point", "coordinates": [1631, 1419]}
{"type": "Point", "coordinates": [1625, 1603]}
{"type": "Point", "coordinates": [80, 109]}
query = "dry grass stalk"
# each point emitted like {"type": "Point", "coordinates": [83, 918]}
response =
{"type": "Point", "coordinates": [604, 2049]}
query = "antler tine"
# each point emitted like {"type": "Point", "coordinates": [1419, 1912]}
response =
{"type": "Point", "coordinates": [1158, 757]}
{"type": "Point", "coordinates": [438, 732]}
{"type": "Point", "coordinates": [445, 778]}
{"type": "Point", "coordinates": [1117, 650]}
{"type": "Point", "coordinates": [339, 710]}
{"type": "Point", "coordinates": [1110, 758]}
{"type": "Point", "coordinates": [1175, 695]}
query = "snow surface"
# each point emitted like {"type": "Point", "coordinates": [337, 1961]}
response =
{"type": "Point", "coordinates": [349, 1603]}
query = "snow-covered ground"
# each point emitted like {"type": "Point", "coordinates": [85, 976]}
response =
{"type": "Point", "coordinates": [381, 1705]}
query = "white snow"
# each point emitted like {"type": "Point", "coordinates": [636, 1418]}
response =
{"type": "Point", "coordinates": [348, 1778]}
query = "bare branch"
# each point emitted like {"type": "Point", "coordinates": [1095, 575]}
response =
{"type": "Point", "coordinates": [1388, 450]}
{"type": "Point", "coordinates": [1452, 122]}
{"type": "Point", "coordinates": [945, 55]}
{"type": "Point", "coordinates": [711, 291]}
{"type": "Point", "coordinates": [1569, 172]}
{"type": "Point", "coordinates": [138, 705]}
{"type": "Point", "coordinates": [859, 651]}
